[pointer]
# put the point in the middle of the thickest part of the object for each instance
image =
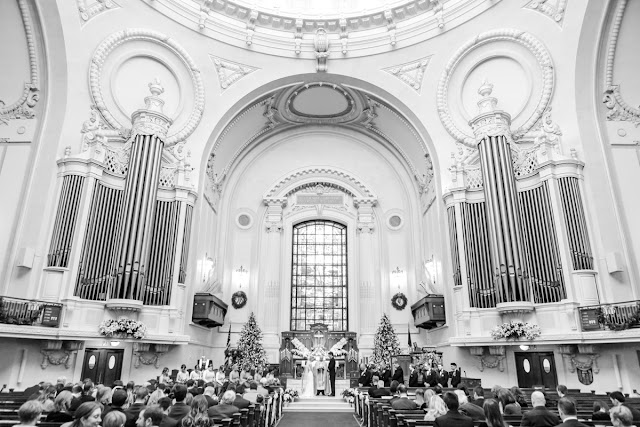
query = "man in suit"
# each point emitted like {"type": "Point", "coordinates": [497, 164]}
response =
{"type": "Point", "coordinates": [332, 373]}
{"type": "Point", "coordinates": [430, 377]}
{"type": "Point", "coordinates": [413, 376]}
{"type": "Point", "coordinates": [375, 391]}
{"type": "Point", "coordinates": [452, 418]}
{"type": "Point", "coordinates": [403, 402]}
{"type": "Point", "coordinates": [118, 399]}
{"type": "Point", "coordinates": [568, 413]}
{"type": "Point", "coordinates": [617, 399]}
{"type": "Point", "coordinates": [133, 411]}
{"type": "Point", "coordinates": [539, 416]}
{"type": "Point", "coordinates": [455, 375]}
{"type": "Point", "coordinates": [149, 417]}
{"type": "Point", "coordinates": [240, 401]}
{"type": "Point", "coordinates": [179, 410]}
{"type": "Point", "coordinates": [478, 396]}
{"type": "Point", "coordinates": [398, 374]}
{"type": "Point", "coordinates": [386, 375]}
{"type": "Point", "coordinates": [443, 377]}
{"type": "Point", "coordinates": [224, 409]}
{"type": "Point", "coordinates": [165, 404]}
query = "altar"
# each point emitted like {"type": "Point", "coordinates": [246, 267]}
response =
{"type": "Point", "coordinates": [297, 346]}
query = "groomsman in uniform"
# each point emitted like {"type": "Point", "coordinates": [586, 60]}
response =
{"type": "Point", "coordinates": [455, 375]}
{"type": "Point", "coordinates": [332, 373]}
{"type": "Point", "coordinates": [398, 373]}
{"type": "Point", "coordinates": [386, 375]}
{"type": "Point", "coordinates": [443, 377]}
{"type": "Point", "coordinates": [430, 376]}
{"type": "Point", "coordinates": [413, 376]}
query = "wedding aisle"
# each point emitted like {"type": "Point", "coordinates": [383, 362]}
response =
{"type": "Point", "coordinates": [319, 404]}
{"type": "Point", "coordinates": [317, 419]}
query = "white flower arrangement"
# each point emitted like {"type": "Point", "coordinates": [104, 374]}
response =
{"type": "Point", "coordinates": [515, 330]}
{"type": "Point", "coordinates": [129, 327]}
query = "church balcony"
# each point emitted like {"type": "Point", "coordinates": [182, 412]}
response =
{"type": "Point", "coordinates": [18, 311]}
{"type": "Point", "coordinates": [428, 313]}
{"type": "Point", "coordinates": [610, 317]}
{"type": "Point", "coordinates": [208, 310]}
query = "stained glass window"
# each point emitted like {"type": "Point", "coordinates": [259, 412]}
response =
{"type": "Point", "coordinates": [319, 276]}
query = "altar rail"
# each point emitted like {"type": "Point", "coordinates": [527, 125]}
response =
{"type": "Point", "coordinates": [613, 317]}
{"type": "Point", "coordinates": [18, 311]}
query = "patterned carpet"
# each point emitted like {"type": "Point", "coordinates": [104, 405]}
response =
{"type": "Point", "coordinates": [317, 419]}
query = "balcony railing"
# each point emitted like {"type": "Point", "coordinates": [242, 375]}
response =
{"type": "Point", "coordinates": [610, 317]}
{"type": "Point", "coordinates": [18, 311]}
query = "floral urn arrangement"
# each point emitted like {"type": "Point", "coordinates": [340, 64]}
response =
{"type": "Point", "coordinates": [515, 330]}
{"type": "Point", "coordinates": [128, 328]}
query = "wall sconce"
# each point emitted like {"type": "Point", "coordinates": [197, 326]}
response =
{"type": "Point", "coordinates": [397, 276]}
{"type": "Point", "coordinates": [524, 347]}
{"type": "Point", "coordinates": [115, 343]}
{"type": "Point", "coordinates": [242, 274]}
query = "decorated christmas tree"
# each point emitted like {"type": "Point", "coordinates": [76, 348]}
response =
{"type": "Point", "coordinates": [252, 354]}
{"type": "Point", "coordinates": [385, 337]}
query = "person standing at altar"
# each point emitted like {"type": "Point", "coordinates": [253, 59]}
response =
{"type": "Point", "coordinates": [332, 374]}
{"type": "Point", "coordinates": [398, 373]}
{"type": "Point", "coordinates": [321, 376]}
{"type": "Point", "coordinates": [386, 374]}
{"type": "Point", "coordinates": [443, 376]}
{"type": "Point", "coordinates": [455, 375]}
{"type": "Point", "coordinates": [430, 376]}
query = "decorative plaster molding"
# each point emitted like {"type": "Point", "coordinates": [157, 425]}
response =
{"type": "Point", "coordinates": [56, 357]}
{"type": "Point", "coordinates": [88, 11]}
{"type": "Point", "coordinates": [358, 187]}
{"type": "Point", "coordinates": [554, 9]}
{"type": "Point", "coordinates": [23, 108]}
{"type": "Point", "coordinates": [619, 109]}
{"type": "Point", "coordinates": [321, 47]}
{"type": "Point", "coordinates": [525, 39]}
{"type": "Point", "coordinates": [230, 72]}
{"type": "Point", "coordinates": [410, 73]}
{"type": "Point", "coordinates": [140, 34]}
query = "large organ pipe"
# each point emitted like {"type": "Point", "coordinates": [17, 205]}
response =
{"type": "Point", "coordinates": [65, 221]}
{"type": "Point", "coordinates": [576, 223]}
{"type": "Point", "coordinates": [184, 257]}
{"type": "Point", "coordinates": [150, 127]}
{"type": "Point", "coordinates": [491, 128]}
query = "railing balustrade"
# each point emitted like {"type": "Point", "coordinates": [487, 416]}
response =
{"type": "Point", "coordinates": [613, 317]}
{"type": "Point", "coordinates": [18, 311]}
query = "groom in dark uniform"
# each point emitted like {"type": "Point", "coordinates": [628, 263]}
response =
{"type": "Point", "coordinates": [332, 373]}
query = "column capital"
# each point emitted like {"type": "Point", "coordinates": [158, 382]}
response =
{"type": "Point", "coordinates": [274, 213]}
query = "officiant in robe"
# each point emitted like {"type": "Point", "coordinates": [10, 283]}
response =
{"type": "Point", "coordinates": [321, 378]}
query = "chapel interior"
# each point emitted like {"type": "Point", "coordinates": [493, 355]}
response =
{"type": "Point", "coordinates": [456, 165]}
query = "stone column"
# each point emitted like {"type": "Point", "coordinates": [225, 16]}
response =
{"type": "Point", "coordinates": [493, 135]}
{"type": "Point", "coordinates": [150, 127]}
{"type": "Point", "coordinates": [368, 298]}
{"type": "Point", "coordinates": [274, 306]}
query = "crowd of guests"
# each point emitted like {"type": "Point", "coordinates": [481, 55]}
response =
{"type": "Point", "coordinates": [190, 402]}
{"type": "Point", "coordinates": [420, 375]}
{"type": "Point", "coordinates": [461, 407]}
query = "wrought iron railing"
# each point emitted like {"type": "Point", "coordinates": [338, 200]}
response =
{"type": "Point", "coordinates": [612, 317]}
{"type": "Point", "coordinates": [18, 311]}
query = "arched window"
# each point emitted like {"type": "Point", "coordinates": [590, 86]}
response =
{"type": "Point", "coordinates": [319, 276]}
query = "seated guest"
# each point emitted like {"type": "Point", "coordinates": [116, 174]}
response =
{"type": "Point", "coordinates": [47, 398]}
{"type": "Point", "coordinates": [375, 390]}
{"type": "Point", "coordinates": [118, 400]}
{"type": "Point", "coordinates": [103, 397]}
{"type": "Point", "coordinates": [209, 394]}
{"type": "Point", "coordinates": [365, 379]}
{"type": "Point", "coordinates": [180, 409]}
{"type": "Point", "coordinates": [436, 408]}
{"type": "Point", "coordinates": [114, 419]}
{"type": "Point", "coordinates": [420, 399]}
{"type": "Point", "coordinates": [562, 390]}
{"type": "Point", "coordinates": [196, 374]}
{"type": "Point", "coordinates": [478, 396]}
{"type": "Point", "coordinates": [519, 395]}
{"type": "Point", "coordinates": [438, 390]}
{"type": "Point", "coordinates": [165, 377]}
{"type": "Point", "coordinates": [89, 414]}
{"type": "Point", "coordinates": [621, 416]}
{"type": "Point", "coordinates": [600, 411]}
{"type": "Point", "coordinates": [234, 375]}
{"type": "Point", "coordinates": [568, 413]}
{"type": "Point", "coordinates": [133, 411]}
{"type": "Point", "coordinates": [155, 397]}
{"type": "Point", "coordinates": [492, 414]}
{"type": "Point", "coordinates": [29, 413]}
{"type": "Point", "coordinates": [508, 403]}
{"type": "Point", "coordinates": [151, 416]}
{"type": "Point", "coordinates": [60, 413]}
{"type": "Point", "coordinates": [462, 397]}
{"type": "Point", "coordinates": [402, 401]}
{"type": "Point", "coordinates": [85, 396]}
{"type": "Point", "coordinates": [183, 375]}
{"type": "Point", "coordinates": [539, 416]}
{"type": "Point", "coordinates": [165, 404]}
{"type": "Point", "coordinates": [224, 409]}
{"type": "Point", "coordinates": [469, 409]}
{"type": "Point", "coordinates": [252, 394]}
{"type": "Point", "coordinates": [452, 418]}
{"type": "Point", "coordinates": [199, 414]}
{"type": "Point", "coordinates": [617, 399]}
{"type": "Point", "coordinates": [240, 401]}
{"type": "Point", "coordinates": [209, 375]}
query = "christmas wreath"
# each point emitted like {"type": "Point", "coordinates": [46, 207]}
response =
{"type": "Point", "coordinates": [399, 301]}
{"type": "Point", "coordinates": [239, 299]}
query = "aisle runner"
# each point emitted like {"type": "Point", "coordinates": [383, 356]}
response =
{"type": "Point", "coordinates": [320, 404]}
{"type": "Point", "coordinates": [317, 419]}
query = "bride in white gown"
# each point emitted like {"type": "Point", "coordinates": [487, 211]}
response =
{"type": "Point", "coordinates": [308, 390]}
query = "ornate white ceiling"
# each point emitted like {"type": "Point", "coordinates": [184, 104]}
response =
{"type": "Point", "coordinates": [355, 28]}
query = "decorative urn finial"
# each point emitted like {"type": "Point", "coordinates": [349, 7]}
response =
{"type": "Point", "coordinates": [487, 103]}
{"type": "Point", "coordinates": [151, 119]}
{"type": "Point", "coordinates": [490, 120]}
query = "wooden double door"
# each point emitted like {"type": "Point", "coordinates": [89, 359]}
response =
{"type": "Point", "coordinates": [102, 366]}
{"type": "Point", "coordinates": [536, 369]}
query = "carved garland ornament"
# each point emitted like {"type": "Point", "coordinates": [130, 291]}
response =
{"type": "Point", "coordinates": [23, 107]}
{"type": "Point", "coordinates": [517, 36]}
{"type": "Point", "coordinates": [136, 34]}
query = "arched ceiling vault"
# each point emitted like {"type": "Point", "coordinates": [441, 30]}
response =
{"type": "Point", "coordinates": [313, 102]}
